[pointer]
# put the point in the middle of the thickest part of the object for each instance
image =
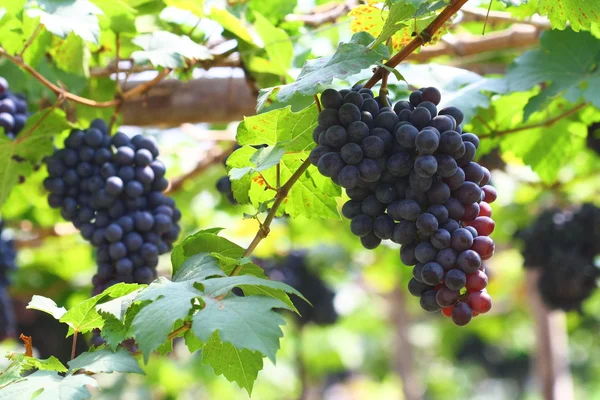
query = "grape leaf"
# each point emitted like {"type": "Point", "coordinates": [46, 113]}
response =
{"type": "Point", "coordinates": [170, 302]}
{"type": "Point", "coordinates": [241, 159]}
{"type": "Point", "coordinates": [566, 59]}
{"type": "Point", "coordinates": [114, 332]}
{"type": "Point", "coordinates": [64, 16]}
{"type": "Point", "coordinates": [280, 125]}
{"type": "Point", "coordinates": [118, 16]}
{"type": "Point", "coordinates": [579, 13]}
{"type": "Point", "coordinates": [277, 44]}
{"type": "Point", "coordinates": [263, 158]}
{"type": "Point", "coordinates": [349, 59]}
{"type": "Point", "coordinates": [49, 385]}
{"type": "Point", "coordinates": [198, 267]}
{"type": "Point", "coordinates": [21, 155]}
{"type": "Point", "coordinates": [397, 17]}
{"type": "Point", "coordinates": [245, 322]}
{"type": "Point", "coordinates": [546, 148]}
{"type": "Point", "coordinates": [106, 361]}
{"type": "Point", "coordinates": [195, 6]}
{"type": "Point", "coordinates": [49, 364]}
{"type": "Point", "coordinates": [239, 365]}
{"type": "Point", "coordinates": [46, 305]}
{"type": "Point", "coordinates": [84, 317]}
{"type": "Point", "coordinates": [179, 16]}
{"type": "Point", "coordinates": [165, 49]}
{"type": "Point", "coordinates": [230, 23]}
{"type": "Point", "coordinates": [204, 241]}
{"type": "Point", "coordinates": [118, 307]}
{"type": "Point", "coordinates": [71, 55]}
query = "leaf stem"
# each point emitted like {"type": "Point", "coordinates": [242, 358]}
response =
{"type": "Point", "coordinates": [74, 345]}
{"type": "Point", "coordinates": [548, 122]}
{"type": "Point", "coordinates": [37, 30]}
{"type": "Point", "coordinates": [419, 40]}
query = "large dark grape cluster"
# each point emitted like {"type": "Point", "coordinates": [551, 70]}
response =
{"type": "Point", "coordinates": [411, 178]}
{"type": "Point", "coordinates": [7, 266]}
{"type": "Point", "coordinates": [294, 270]}
{"type": "Point", "coordinates": [111, 188]}
{"type": "Point", "coordinates": [13, 110]}
{"type": "Point", "coordinates": [563, 246]}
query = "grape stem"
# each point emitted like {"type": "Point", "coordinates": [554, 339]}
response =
{"type": "Point", "coordinates": [37, 30]}
{"type": "Point", "coordinates": [418, 41]}
{"type": "Point", "coordinates": [74, 345]}
{"type": "Point", "coordinates": [131, 93]}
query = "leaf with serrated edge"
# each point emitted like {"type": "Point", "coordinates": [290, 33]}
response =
{"type": "Point", "coordinates": [245, 322]}
{"type": "Point", "coordinates": [170, 302]}
{"type": "Point", "coordinates": [198, 267]}
{"type": "Point", "coordinates": [119, 306]}
{"type": "Point", "coordinates": [280, 125]}
{"type": "Point", "coordinates": [239, 365]}
{"type": "Point", "coordinates": [277, 44]}
{"type": "Point", "coordinates": [220, 286]}
{"type": "Point", "coordinates": [203, 242]}
{"type": "Point", "coordinates": [49, 364]}
{"type": "Point", "coordinates": [106, 361]}
{"type": "Point", "coordinates": [52, 386]}
{"type": "Point", "coordinates": [264, 158]}
{"type": "Point", "coordinates": [63, 17]}
{"type": "Point", "coordinates": [46, 305]}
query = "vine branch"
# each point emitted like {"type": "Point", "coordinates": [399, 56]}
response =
{"type": "Point", "coordinates": [420, 39]}
{"type": "Point", "coordinates": [548, 122]}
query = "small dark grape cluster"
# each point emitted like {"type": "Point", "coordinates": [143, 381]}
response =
{"type": "Point", "coordinates": [8, 264]}
{"type": "Point", "coordinates": [563, 246]}
{"type": "Point", "coordinates": [224, 183]}
{"type": "Point", "coordinates": [294, 270]}
{"type": "Point", "coordinates": [111, 189]}
{"type": "Point", "coordinates": [593, 137]}
{"type": "Point", "coordinates": [411, 178]}
{"type": "Point", "coordinates": [13, 110]}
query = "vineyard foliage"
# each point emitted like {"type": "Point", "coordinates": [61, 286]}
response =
{"type": "Point", "coordinates": [70, 59]}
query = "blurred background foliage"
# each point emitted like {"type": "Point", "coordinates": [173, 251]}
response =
{"type": "Point", "coordinates": [382, 335]}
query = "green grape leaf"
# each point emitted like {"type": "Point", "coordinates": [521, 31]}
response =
{"type": "Point", "coordinates": [349, 59]}
{"type": "Point", "coordinates": [239, 365]}
{"type": "Point", "coordinates": [230, 23]}
{"type": "Point", "coordinates": [277, 44]}
{"type": "Point", "coordinates": [204, 241]}
{"type": "Point", "coordinates": [21, 155]}
{"type": "Point", "coordinates": [170, 302]}
{"type": "Point", "coordinates": [38, 48]}
{"type": "Point", "coordinates": [179, 16]}
{"type": "Point", "coordinates": [546, 148]}
{"type": "Point", "coordinates": [227, 264]}
{"type": "Point", "coordinates": [71, 55]}
{"type": "Point", "coordinates": [114, 332]}
{"type": "Point", "coordinates": [220, 286]}
{"type": "Point", "coordinates": [399, 14]}
{"type": "Point", "coordinates": [579, 13]}
{"type": "Point", "coordinates": [165, 49]}
{"type": "Point", "coordinates": [84, 317]}
{"type": "Point", "coordinates": [106, 361]}
{"type": "Point", "coordinates": [245, 322]}
{"type": "Point", "coordinates": [11, 33]}
{"type": "Point", "coordinates": [566, 59]}
{"type": "Point", "coordinates": [46, 305]}
{"type": "Point", "coordinates": [118, 16]}
{"type": "Point", "coordinates": [64, 16]}
{"type": "Point", "coordinates": [198, 267]}
{"type": "Point", "coordinates": [195, 6]}
{"type": "Point", "coordinates": [118, 307]}
{"type": "Point", "coordinates": [49, 385]}
{"type": "Point", "coordinates": [263, 158]}
{"type": "Point", "coordinates": [192, 342]}
{"type": "Point", "coordinates": [49, 364]}
{"type": "Point", "coordinates": [293, 130]}
{"type": "Point", "coordinates": [241, 159]}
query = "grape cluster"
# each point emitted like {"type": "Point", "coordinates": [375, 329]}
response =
{"type": "Point", "coordinates": [224, 183]}
{"type": "Point", "coordinates": [294, 270]}
{"type": "Point", "coordinates": [13, 110]}
{"type": "Point", "coordinates": [7, 265]}
{"type": "Point", "coordinates": [111, 189]}
{"type": "Point", "coordinates": [593, 137]}
{"type": "Point", "coordinates": [563, 245]}
{"type": "Point", "coordinates": [411, 178]}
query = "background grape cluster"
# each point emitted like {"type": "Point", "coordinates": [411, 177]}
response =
{"type": "Point", "coordinates": [593, 137]}
{"type": "Point", "coordinates": [13, 110]}
{"type": "Point", "coordinates": [111, 189]}
{"type": "Point", "coordinates": [411, 178]}
{"type": "Point", "coordinates": [7, 265]}
{"type": "Point", "coordinates": [563, 245]}
{"type": "Point", "coordinates": [223, 185]}
{"type": "Point", "coordinates": [294, 270]}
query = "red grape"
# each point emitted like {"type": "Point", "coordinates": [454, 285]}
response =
{"type": "Point", "coordinates": [446, 297]}
{"type": "Point", "coordinates": [485, 210]}
{"type": "Point", "coordinates": [486, 176]}
{"type": "Point", "coordinates": [484, 225]}
{"type": "Point", "coordinates": [480, 302]}
{"type": "Point", "coordinates": [484, 246]}
{"type": "Point", "coordinates": [476, 281]}
{"type": "Point", "coordinates": [447, 311]}
{"type": "Point", "coordinates": [490, 193]}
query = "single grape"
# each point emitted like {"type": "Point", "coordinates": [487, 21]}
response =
{"type": "Point", "coordinates": [417, 269]}
{"type": "Point", "coordinates": [427, 224]}
{"type": "Point", "coordinates": [415, 98]}
{"type": "Point", "coordinates": [446, 258]}
{"type": "Point", "coordinates": [330, 164]}
{"type": "Point", "coordinates": [349, 113]}
{"type": "Point", "coordinates": [328, 117]}
{"type": "Point", "coordinates": [468, 261]}
{"type": "Point", "coordinates": [485, 210]}
{"type": "Point", "coordinates": [369, 170]}
{"type": "Point", "coordinates": [454, 112]}
{"type": "Point", "coordinates": [351, 153]}
{"type": "Point", "coordinates": [317, 153]}
{"type": "Point", "coordinates": [468, 156]}
{"type": "Point", "coordinates": [476, 281]}
{"type": "Point", "coordinates": [417, 288]}
{"type": "Point", "coordinates": [373, 147]}
{"type": "Point", "coordinates": [370, 241]}
{"type": "Point", "coordinates": [461, 314]}
{"type": "Point", "coordinates": [361, 225]}
{"type": "Point", "coordinates": [480, 302]}
{"type": "Point", "coordinates": [407, 254]}
{"type": "Point", "coordinates": [387, 120]}
{"type": "Point", "coordinates": [432, 273]}
{"type": "Point", "coordinates": [372, 207]}
{"type": "Point", "coordinates": [385, 193]}
{"type": "Point", "coordinates": [490, 194]}
{"type": "Point", "coordinates": [441, 239]}
{"type": "Point", "coordinates": [383, 227]}
{"type": "Point", "coordinates": [428, 302]}
{"type": "Point", "coordinates": [484, 225]}
{"type": "Point", "coordinates": [331, 98]}
{"type": "Point", "coordinates": [336, 136]}
{"type": "Point", "coordinates": [471, 212]}
{"type": "Point", "coordinates": [446, 297]}
{"type": "Point", "coordinates": [349, 176]}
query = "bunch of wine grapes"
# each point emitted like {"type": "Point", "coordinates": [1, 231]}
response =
{"type": "Point", "coordinates": [411, 178]}
{"type": "Point", "coordinates": [294, 270]}
{"type": "Point", "coordinates": [7, 265]}
{"type": "Point", "coordinates": [13, 110]}
{"type": "Point", "coordinates": [593, 137]}
{"type": "Point", "coordinates": [111, 189]}
{"type": "Point", "coordinates": [563, 246]}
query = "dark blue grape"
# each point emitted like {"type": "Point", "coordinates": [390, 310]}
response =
{"type": "Point", "coordinates": [330, 164]}
{"type": "Point", "coordinates": [454, 112]}
{"type": "Point", "coordinates": [383, 227]}
{"type": "Point", "coordinates": [349, 113]}
{"type": "Point", "coordinates": [417, 288]}
{"type": "Point", "coordinates": [428, 301]}
{"type": "Point", "coordinates": [400, 164]}
{"type": "Point", "coordinates": [405, 232]}
{"type": "Point", "coordinates": [426, 165]}
{"type": "Point", "coordinates": [432, 273]}
{"type": "Point", "coordinates": [369, 170]}
{"type": "Point", "coordinates": [373, 147]}
{"type": "Point", "coordinates": [351, 208]}
{"type": "Point", "coordinates": [331, 98]}
{"type": "Point", "coordinates": [348, 176]}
